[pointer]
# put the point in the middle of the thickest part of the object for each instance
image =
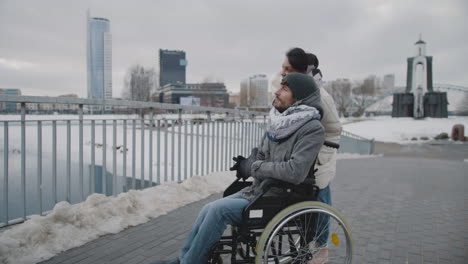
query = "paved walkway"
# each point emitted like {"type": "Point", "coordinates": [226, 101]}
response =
{"type": "Point", "coordinates": [401, 210]}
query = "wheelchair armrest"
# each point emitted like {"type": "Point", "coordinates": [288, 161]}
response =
{"type": "Point", "coordinates": [268, 183]}
{"type": "Point", "coordinates": [331, 144]}
{"type": "Point", "coordinates": [236, 186]}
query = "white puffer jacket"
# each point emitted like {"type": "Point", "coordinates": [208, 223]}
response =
{"type": "Point", "coordinates": [326, 161]}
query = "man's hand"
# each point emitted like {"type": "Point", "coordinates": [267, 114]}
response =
{"type": "Point", "coordinates": [243, 165]}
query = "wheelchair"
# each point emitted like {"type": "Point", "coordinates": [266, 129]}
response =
{"type": "Point", "coordinates": [285, 229]}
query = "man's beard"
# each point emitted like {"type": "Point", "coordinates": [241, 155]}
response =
{"type": "Point", "coordinates": [280, 109]}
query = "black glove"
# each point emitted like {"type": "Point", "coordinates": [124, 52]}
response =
{"type": "Point", "coordinates": [243, 165]}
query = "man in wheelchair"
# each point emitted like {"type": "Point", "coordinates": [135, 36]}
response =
{"type": "Point", "coordinates": [287, 153]}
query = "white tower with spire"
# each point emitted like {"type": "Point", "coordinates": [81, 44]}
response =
{"type": "Point", "coordinates": [419, 70]}
{"type": "Point", "coordinates": [419, 99]}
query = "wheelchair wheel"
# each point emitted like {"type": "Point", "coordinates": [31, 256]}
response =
{"type": "Point", "coordinates": [297, 235]}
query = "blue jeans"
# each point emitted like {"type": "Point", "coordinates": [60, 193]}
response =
{"type": "Point", "coordinates": [209, 227]}
{"type": "Point", "coordinates": [324, 196]}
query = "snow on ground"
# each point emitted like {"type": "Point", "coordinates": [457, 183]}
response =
{"type": "Point", "coordinates": [402, 130]}
{"type": "Point", "coordinates": [68, 226]}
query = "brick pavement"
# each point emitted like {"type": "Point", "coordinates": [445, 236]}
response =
{"type": "Point", "coordinates": [401, 210]}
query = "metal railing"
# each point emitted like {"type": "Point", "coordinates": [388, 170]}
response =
{"type": "Point", "coordinates": [351, 143]}
{"type": "Point", "coordinates": [53, 158]}
{"type": "Point", "coordinates": [44, 157]}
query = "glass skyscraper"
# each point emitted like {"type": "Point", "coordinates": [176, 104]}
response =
{"type": "Point", "coordinates": [99, 53]}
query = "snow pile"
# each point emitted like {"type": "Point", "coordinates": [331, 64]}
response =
{"type": "Point", "coordinates": [69, 226]}
{"type": "Point", "coordinates": [403, 130]}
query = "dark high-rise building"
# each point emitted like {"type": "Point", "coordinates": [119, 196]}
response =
{"type": "Point", "coordinates": [172, 65]}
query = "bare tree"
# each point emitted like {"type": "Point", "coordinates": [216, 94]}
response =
{"type": "Point", "coordinates": [362, 95]}
{"type": "Point", "coordinates": [340, 91]}
{"type": "Point", "coordinates": [360, 102]}
{"type": "Point", "coordinates": [139, 83]}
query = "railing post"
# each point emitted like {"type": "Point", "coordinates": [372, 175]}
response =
{"type": "Point", "coordinates": [39, 165]}
{"type": "Point", "coordinates": [226, 140]}
{"type": "Point", "coordinates": [186, 149]}
{"type": "Point", "coordinates": [202, 153]}
{"type": "Point", "coordinates": [166, 123]}
{"type": "Point", "coordinates": [92, 176]}
{"type": "Point", "coordinates": [104, 157]}
{"type": "Point", "coordinates": [23, 157]}
{"type": "Point", "coordinates": [5, 170]}
{"type": "Point", "coordinates": [231, 143]}
{"type": "Point", "coordinates": [158, 153]}
{"type": "Point", "coordinates": [213, 147]}
{"type": "Point", "coordinates": [150, 162]}
{"type": "Point", "coordinates": [133, 152]}
{"type": "Point", "coordinates": [54, 161]}
{"type": "Point", "coordinates": [124, 156]}
{"type": "Point", "coordinates": [192, 153]}
{"type": "Point", "coordinates": [80, 152]}
{"type": "Point", "coordinates": [252, 132]}
{"type": "Point", "coordinates": [208, 142]}
{"type": "Point", "coordinates": [179, 147]}
{"type": "Point", "coordinates": [242, 137]}
{"type": "Point", "coordinates": [68, 161]}
{"type": "Point", "coordinates": [197, 153]}
{"type": "Point", "coordinates": [173, 123]}
{"type": "Point", "coordinates": [218, 153]}
{"type": "Point", "coordinates": [114, 157]}
{"type": "Point", "coordinates": [142, 157]}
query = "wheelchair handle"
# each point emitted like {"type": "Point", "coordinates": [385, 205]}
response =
{"type": "Point", "coordinates": [331, 144]}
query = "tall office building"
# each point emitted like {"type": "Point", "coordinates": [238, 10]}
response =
{"type": "Point", "coordinates": [172, 65]}
{"type": "Point", "coordinates": [254, 92]}
{"type": "Point", "coordinates": [258, 91]}
{"type": "Point", "coordinates": [99, 58]}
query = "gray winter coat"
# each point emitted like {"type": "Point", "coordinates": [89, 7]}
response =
{"type": "Point", "coordinates": [291, 159]}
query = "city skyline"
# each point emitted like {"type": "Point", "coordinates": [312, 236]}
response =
{"type": "Point", "coordinates": [42, 51]}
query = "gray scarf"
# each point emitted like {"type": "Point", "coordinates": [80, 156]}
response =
{"type": "Point", "coordinates": [282, 125]}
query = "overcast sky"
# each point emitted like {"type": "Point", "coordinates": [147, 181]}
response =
{"type": "Point", "coordinates": [43, 42]}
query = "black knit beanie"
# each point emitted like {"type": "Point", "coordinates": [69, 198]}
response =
{"type": "Point", "coordinates": [301, 85]}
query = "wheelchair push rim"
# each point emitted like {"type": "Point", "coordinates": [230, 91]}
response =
{"type": "Point", "coordinates": [291, 236]}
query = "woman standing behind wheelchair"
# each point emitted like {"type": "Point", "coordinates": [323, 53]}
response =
{"type": "Point", "coordinates": [326, 160]}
